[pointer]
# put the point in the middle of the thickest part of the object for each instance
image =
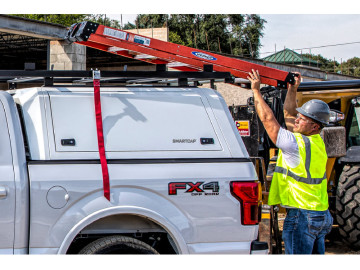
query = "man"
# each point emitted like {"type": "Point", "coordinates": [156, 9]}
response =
{"type": "Point", "coordinates": [299, 183]}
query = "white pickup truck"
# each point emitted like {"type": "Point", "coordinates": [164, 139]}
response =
{"type": "Point", "coordinates": [181, 180]}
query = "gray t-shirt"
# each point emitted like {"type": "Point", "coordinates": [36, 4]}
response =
{"type": "Point", "coordinates": [287, 143]}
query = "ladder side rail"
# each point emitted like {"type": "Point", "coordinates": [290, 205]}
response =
{"type": "Point", "coordinates": [194, 63]}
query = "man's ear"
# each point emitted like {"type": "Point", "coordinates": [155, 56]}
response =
{"type": "Point", "coordinates": [316, 127]}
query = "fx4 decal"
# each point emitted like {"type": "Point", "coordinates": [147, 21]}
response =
{"type": "Point", "coordinates": [196, 189]}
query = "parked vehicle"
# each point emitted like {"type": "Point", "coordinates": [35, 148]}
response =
{"type": "Point", "coordinates": [181, 180]}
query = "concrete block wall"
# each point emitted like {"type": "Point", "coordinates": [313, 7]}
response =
{"type": "Point", "coordinates": [64, 56]}
{"type": "Point", "coordinates": [158, 33]}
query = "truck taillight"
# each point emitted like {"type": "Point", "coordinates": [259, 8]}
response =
{"type": "Point", "coordinates": [249, 195]}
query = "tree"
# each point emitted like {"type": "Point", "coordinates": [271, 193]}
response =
{"type": "Point", "coordinates": [325, 64]}
{"type": "Point", "coordinates": [236, 34]}
{"type": "Point", "coordinates": [63, 19]}
{"type": "Point", "coordinates": [350, 67]}
{"type": "Point", "coordinates": [69, 19]}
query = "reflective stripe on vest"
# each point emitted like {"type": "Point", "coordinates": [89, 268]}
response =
{"type": "Point", "coordinates": [308, 180]}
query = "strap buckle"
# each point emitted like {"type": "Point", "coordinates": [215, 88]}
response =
{"type": "Point", "coordinates": [96, 74]}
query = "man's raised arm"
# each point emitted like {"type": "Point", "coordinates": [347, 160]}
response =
{"type": "Point", "coordinates": [264, 112]}
{"type": "Point", "coordinates": [290, 103]}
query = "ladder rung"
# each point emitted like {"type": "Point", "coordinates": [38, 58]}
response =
{"type": "Point", "coordinates": [144, 56]}
{"type": "Point", "coordinates": [115, 49]}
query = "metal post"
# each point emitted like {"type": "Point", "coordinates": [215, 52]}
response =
{"type": "Point", "coordinates": [341, 66]}
{"type": "Point", "coordinates": [230, 45]}
{"type": "Point", "coordinates": [284, 54]}
{"type": "Point", "coordinates": [195, 39]}
{"type": "Point", "coordinates": [207, 41]}
{"type": "Point", "coordinates": [219, 44]}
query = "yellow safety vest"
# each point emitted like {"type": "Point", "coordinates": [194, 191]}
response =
{"type": "Point", "coordinates": [304, 186]}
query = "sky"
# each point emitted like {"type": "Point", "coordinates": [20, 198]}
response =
{"type": "Point", "coordinates": [309, 32]}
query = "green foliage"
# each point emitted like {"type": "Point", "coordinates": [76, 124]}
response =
{"type": "Point", "coordinates": [324, 63]}
{"type": "Point", "coordinates": [236, 34]}
{"type": "Point", "coordinates": [69, 19]}
{"type": "Point", "coordinates": [63, 19]}
{"type": "Point", "coordinates": [129, 25]}
{"type": "Point", "coordinates": [102, 19]}
{"type": "Point", "coordinates": [175, 38]}
{"type": "Point", "coordinates": [350, 67]}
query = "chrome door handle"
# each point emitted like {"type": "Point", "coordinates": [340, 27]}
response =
{"type": "Point", "coordinates": [3, 192]}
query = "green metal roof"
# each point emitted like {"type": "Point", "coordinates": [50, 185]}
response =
{"type": "Point", "coordinates": [288, 56]}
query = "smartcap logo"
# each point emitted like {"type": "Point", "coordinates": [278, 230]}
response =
{"type": "Point", "coordinates": [204, 56]}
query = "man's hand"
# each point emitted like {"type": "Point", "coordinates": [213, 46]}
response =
{"type": "Point", "coordinates": [254, 78]}
{"type": "Point", "coordinates": [298, 80]}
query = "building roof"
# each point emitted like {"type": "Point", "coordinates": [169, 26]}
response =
{"type": "Point", "coordinates": [288, 56]}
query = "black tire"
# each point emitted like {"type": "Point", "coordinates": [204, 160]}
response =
{"type": "Point", "coordinates": [348, 206]}
{"type": "Point", "coordinates": [117, 244]}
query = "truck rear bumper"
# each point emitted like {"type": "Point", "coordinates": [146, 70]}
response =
{"type": "Point", "coordinates": [254, 247]}
{"type": "Point", "coordinates": [258, 247]}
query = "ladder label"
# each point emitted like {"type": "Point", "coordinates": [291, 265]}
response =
{"type": "Point", "coordinates": [115, 33]}
{"type": "Point", "coordinates": [142, 40]}
{"type": "Point", "coordinates": [204, 56]}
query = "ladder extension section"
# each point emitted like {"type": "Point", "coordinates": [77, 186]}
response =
{"type": "Point", "coordinates": [175, 56]}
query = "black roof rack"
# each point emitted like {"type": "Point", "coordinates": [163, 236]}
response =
{"type": "Point", "coordinates": [128, 78]}
{"type": "Point", "coordinates": [160, 77]}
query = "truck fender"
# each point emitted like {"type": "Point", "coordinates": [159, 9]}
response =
{"type": "Point", "coordinates": [118, 210]}
{"type": "Point", "coordinates": [352, 155]}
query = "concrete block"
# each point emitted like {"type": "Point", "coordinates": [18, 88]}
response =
{"type": "Point", "coordinates": [56, 47]}
{"type": "Point", "coordinates": [63, 58]}
{"type": "Point", "coordinates": [80, 49]}
{"type": "Point", "coordinates": [73, 66]}
{"type": "Point", "coordinates": [53, 58]}
{"type": "Point", "coordinates": [57, 66]}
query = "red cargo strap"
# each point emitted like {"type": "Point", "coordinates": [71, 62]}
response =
{"type": "Point", "coordinates": [100, 134]}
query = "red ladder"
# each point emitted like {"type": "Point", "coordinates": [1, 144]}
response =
{"type": "Point", "coordinates": [175, 56]}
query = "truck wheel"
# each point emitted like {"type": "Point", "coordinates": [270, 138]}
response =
{"type": "Point", "coordinates": [348, 205]}
{"type": "Point", "coordinates": [118, 244]}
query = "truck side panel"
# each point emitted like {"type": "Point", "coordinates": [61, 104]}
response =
{"type": "Point", "coordinates": [197, 216]}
